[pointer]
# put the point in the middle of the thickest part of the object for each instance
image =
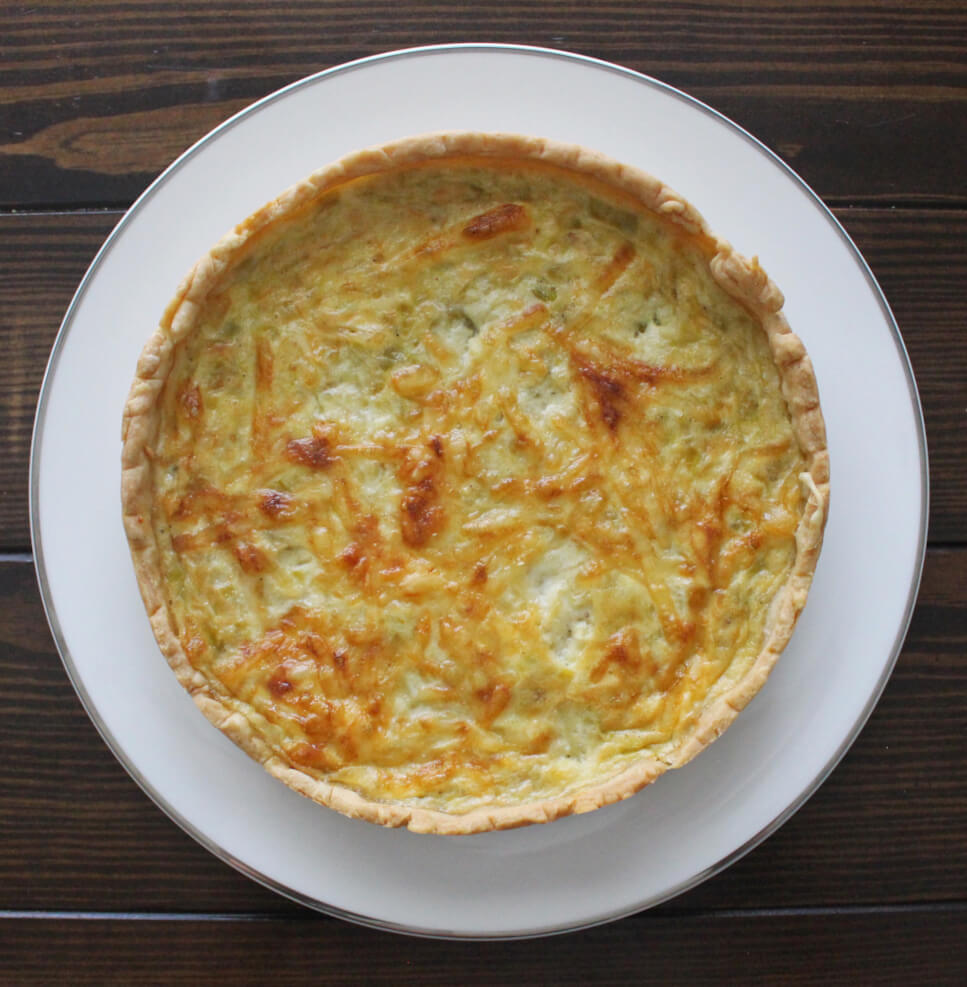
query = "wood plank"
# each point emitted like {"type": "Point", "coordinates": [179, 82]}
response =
{"type": "Point", "coordinates": [905, 946]}
{"type": "Point", "coordinates": [98, 97]}
{"type": "Point", "coordinates": [917, 254]}
{"type": "Point", "coordinates": [887, 827]}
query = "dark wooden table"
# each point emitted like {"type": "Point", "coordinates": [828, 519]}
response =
{"type": "Point", "coordinates": [868, 101]}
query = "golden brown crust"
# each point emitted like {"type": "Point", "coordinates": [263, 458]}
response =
{"type": "Point", "coordinates": [741, 278]}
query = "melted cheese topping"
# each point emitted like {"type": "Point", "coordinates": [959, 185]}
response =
{"type": "Point", "coordinates": [472, 486]}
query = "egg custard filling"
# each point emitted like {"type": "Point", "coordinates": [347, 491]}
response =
{"type": "Point", "coordinates": [473, 482]}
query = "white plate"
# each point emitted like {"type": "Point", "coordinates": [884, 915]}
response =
{"type": "Point", "coordinates": [577, 871]}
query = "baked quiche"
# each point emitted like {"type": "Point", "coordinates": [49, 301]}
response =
{"type": "Point", "coordinates": [473, 482]}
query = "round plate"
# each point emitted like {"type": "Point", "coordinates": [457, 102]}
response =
{"type": "Point", "coordinates": [581, 870]}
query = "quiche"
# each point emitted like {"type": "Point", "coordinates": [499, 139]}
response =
{"type": "Point", "coordinates": [473, 482]}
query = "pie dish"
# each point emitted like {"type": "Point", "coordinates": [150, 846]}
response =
{"type": "Point", "coordinates": [473, 482]}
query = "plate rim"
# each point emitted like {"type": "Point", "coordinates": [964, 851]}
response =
{"type": "Point", "coordinates": [248, 870]}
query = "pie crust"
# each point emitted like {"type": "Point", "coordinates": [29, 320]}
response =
{"type": "Point", "coordinates": [673, 652]}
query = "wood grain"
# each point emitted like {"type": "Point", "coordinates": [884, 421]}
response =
{"type": "Point", "coordinates": [905, 946]}
{"type": "Point", "coordinates": [917, 254]}
{"type": "Point", "coordinates": [887, 827]}
{"type": "Point", "coordinates": [98, 97]}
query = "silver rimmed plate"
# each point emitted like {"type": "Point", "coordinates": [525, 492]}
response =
{"type": "Point", "coordinates": [577, 871]}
